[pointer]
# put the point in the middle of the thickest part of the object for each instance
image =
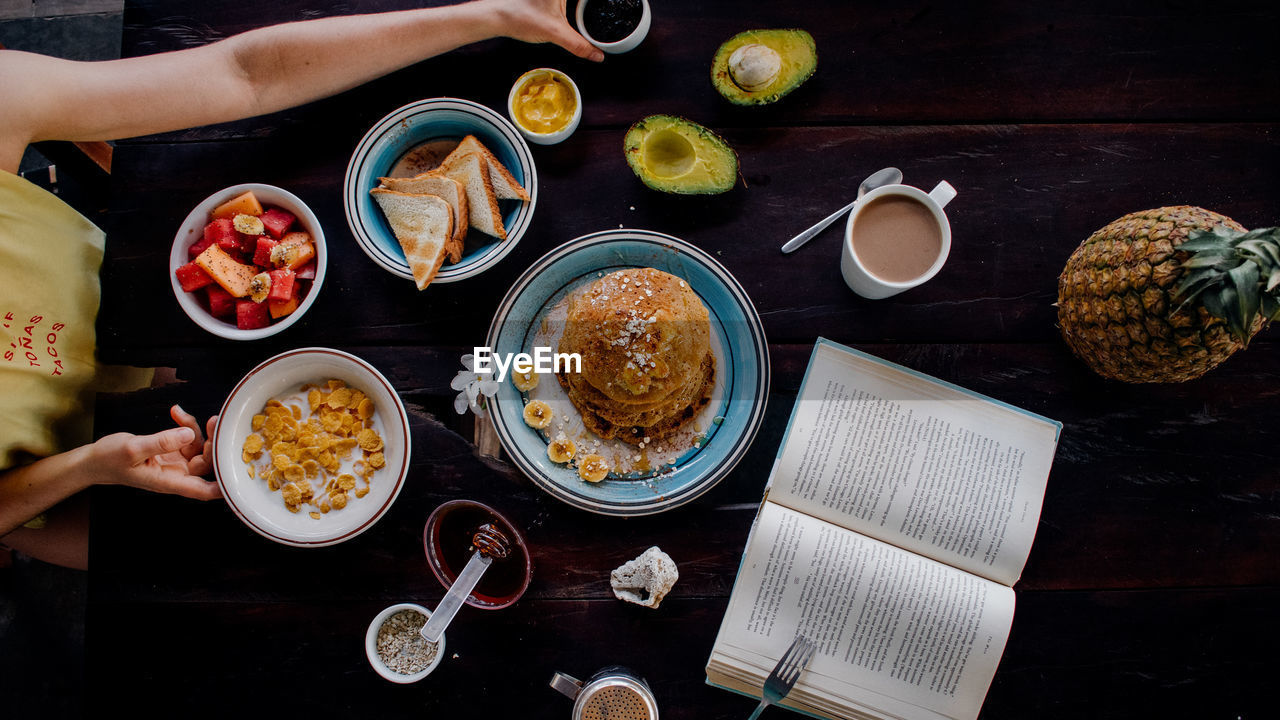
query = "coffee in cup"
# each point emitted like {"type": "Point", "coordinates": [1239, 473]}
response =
{"type": "Point", "coordinates": [896, 238]}
{"type": "Point", "coordinates": [613, 693]}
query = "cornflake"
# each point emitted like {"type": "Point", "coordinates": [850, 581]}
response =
{"type": "Point", "coordinates": [298, 445]}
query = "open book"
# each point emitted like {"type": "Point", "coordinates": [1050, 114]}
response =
{"type": "Point", "coordinates": [898, 515]}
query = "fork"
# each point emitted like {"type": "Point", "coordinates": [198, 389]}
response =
{"type": "Point", "coordinates": [785, 673]}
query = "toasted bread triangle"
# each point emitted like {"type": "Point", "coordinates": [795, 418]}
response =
{"type": "Point", "coordinates": [505, 186]}
{"type": "Point", "coordinates": [451, 191]}
{"type": "Point", "coordinates": [423, 225]}
{"type": "Point", "coordinates": [482, 205]}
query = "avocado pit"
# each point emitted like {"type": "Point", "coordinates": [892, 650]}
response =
{"type": "Point", "coordinates": [754, 66]}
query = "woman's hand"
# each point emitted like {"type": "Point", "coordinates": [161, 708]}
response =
{"type": "Point", "coordinates": [171, 461]}
{"type": "Point", "coordinates": [538, 21]}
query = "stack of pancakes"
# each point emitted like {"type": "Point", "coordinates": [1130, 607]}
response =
{"type": "Point", "coordinates": [645, 341]}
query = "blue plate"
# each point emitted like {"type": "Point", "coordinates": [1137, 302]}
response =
{"type": "Point", "coordinates": [742, 369]}
{"type": "Point", "coordinates": [393, 137]}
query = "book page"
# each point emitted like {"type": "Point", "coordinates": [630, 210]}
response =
{"type": "Point", "coordinates": [899, 635]}
{"type": "Point", "coordinates": [916, 462]}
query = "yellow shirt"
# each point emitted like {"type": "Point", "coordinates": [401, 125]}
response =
{"type": "Point", "coordinates": [49, 294]}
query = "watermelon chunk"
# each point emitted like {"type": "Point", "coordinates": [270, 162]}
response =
{"type": "Point", "coordinates": [220, 229]}
{"type": "Point", "coordinates": [192, 277]}
{"type": "Point", "coordinates": [281, 285]}
{"type": "Point", "coordinates": [306, 272]}
{"type": "Point", "coordinates": [262, 251]}
{"type": "Point", "coordinates": [231, 245]}
{"type": "Point", "coordinates": [277, 221]}
{"type": "Point", "coordinates": [251, 315]}
{"type": "Point", "coordinates": [199, 246]}
{"type": "Point", "coordinates": [221, 303]}
{"type": "Point", "coordinates": [248, 243]}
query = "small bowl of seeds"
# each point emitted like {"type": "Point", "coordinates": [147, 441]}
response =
{"type": "Point", "coordinates": [396, 648]}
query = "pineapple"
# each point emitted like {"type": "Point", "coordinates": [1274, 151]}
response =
{"type": "Point", "coordinates": [1166, 295]}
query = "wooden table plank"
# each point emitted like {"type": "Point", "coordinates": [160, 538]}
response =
{"type": "Point", "coordinates": [1028, 196]}
{"type": "Point", "coordinates": [1095, 654]}
{"type": "Point", "coordinates": [879, 63]}
{"type": "Point", "coordinates": [1134, 500]}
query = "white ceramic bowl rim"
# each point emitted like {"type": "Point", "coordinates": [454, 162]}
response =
{"type": "Point", "coordinates": [371, 646]}
{"type": "Point", "coordinates": [199, 217]}
{"type": "Point", "coordinates": [233, 427]}
{"type": "Point", "coordinates": [641, 27]}
{"type": "Point", "coordinates": [562, 74]}
{"type": "Point", "coordinates": [577, 107]}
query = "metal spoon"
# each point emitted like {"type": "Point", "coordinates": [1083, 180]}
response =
{"type": "Point", "coordinates": [489, 543]}
{"type": "Point", "coordinates": [887, 176]}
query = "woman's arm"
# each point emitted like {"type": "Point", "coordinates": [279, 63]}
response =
{"type": "Point", "coordinates": [171, 461]}
{"type": "Point", "coordinates": [256, 72]}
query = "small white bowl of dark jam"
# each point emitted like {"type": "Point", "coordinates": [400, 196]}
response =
{"type": "Point", "coordinates": [614, 26]}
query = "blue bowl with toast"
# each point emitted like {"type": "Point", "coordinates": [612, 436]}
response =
{"type": "Point", "coordinates": [414, 139]}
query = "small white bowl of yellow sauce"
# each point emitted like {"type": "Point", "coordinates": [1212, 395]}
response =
{"type": "Point", "coordinates": [545, 106]}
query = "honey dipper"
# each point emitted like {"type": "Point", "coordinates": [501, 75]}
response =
{"type": "Point", "coordinates": [488, 543]}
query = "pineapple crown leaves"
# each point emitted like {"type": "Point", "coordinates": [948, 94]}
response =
{"type": "Point", "coordinates": [1235, 275]}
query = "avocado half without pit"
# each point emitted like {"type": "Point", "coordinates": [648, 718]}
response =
{"type": "Point", "coordinates": [758, 67]}
{"type": "Point", "coordinates": [674, 155]}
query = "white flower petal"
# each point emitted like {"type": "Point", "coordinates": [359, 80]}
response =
{"type": "Point", "coordinates": [461, 379]}
{"type": "Point", "coordinates": [488, 388]}
{"type": "Point", "coordinates": [473, 389]}
{"type": "Point", "coordinates": [460, 403]}
{"type": "Point", "coordinates": [469, 361]}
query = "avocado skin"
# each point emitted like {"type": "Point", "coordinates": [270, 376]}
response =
{"type": "Point", "coordinates": [797, 66]}
{"type": "Point", "coordinates": [706, 144]}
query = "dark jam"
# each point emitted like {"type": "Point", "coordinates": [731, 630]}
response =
{"type": "Point", "coordinates": [504, 579]}
{"type": "Point", "coordinates": [609, 21]}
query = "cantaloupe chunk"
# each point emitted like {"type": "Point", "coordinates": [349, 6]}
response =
{"type": "Point", "coordinates": [280, 308]}
{"type": "Point", "coordinates": [245, 203]}
{"type": "Point", "coordinates": [292, 255]}
{"type": "Point", "coordinates": [234, 277]}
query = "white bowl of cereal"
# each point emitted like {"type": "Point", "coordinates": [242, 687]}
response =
{"type": "Point", "coordinates": [311, 447]}
{"type": "Point", "coordinates": [395, 647]}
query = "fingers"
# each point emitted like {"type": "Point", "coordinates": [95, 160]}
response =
{"type": "Point", "coordinates": [199, 466]}
{"type": "Point", "coordinates": [143, 447]}
{"type": "Point", "coordinates": [569, 39]}
{"type": "Point", "coordinates": [207, 452]}
{"type": "Point", "coordinates": [186, 419]}
{"type": "Point", "coordinates": [189, 486]}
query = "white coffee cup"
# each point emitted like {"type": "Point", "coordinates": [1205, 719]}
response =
{"type": "Point", "coordinates": [856, 274]}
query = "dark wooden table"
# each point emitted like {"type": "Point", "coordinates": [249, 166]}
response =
{"type": "Point", "coordinates": [1154, 582]}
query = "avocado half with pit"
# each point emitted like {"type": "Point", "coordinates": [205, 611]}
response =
{"type": "Point", "coordinates": [758, 67]}
{"type": "Point", "coordinates": [674, 155]}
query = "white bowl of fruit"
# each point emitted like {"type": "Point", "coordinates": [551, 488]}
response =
{"type": "Point", "coordinates": [248, 261]}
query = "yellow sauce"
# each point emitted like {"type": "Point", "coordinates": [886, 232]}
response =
{"type": "Point", "coordinates": [544, 104]}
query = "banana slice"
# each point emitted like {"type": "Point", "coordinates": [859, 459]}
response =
{"type": "Point", "coordinates": [260, 287]}
{"type": "Point", "coordinates": [524, 382]}
{"type": "Point", "coordinates": [593, 468]}
{"type": "Point", "coordinates": [538, 415]}
{"type": "Point", "coordinates": [248, 224]}
{"type": "Point", "coordinates": [561, 451]}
